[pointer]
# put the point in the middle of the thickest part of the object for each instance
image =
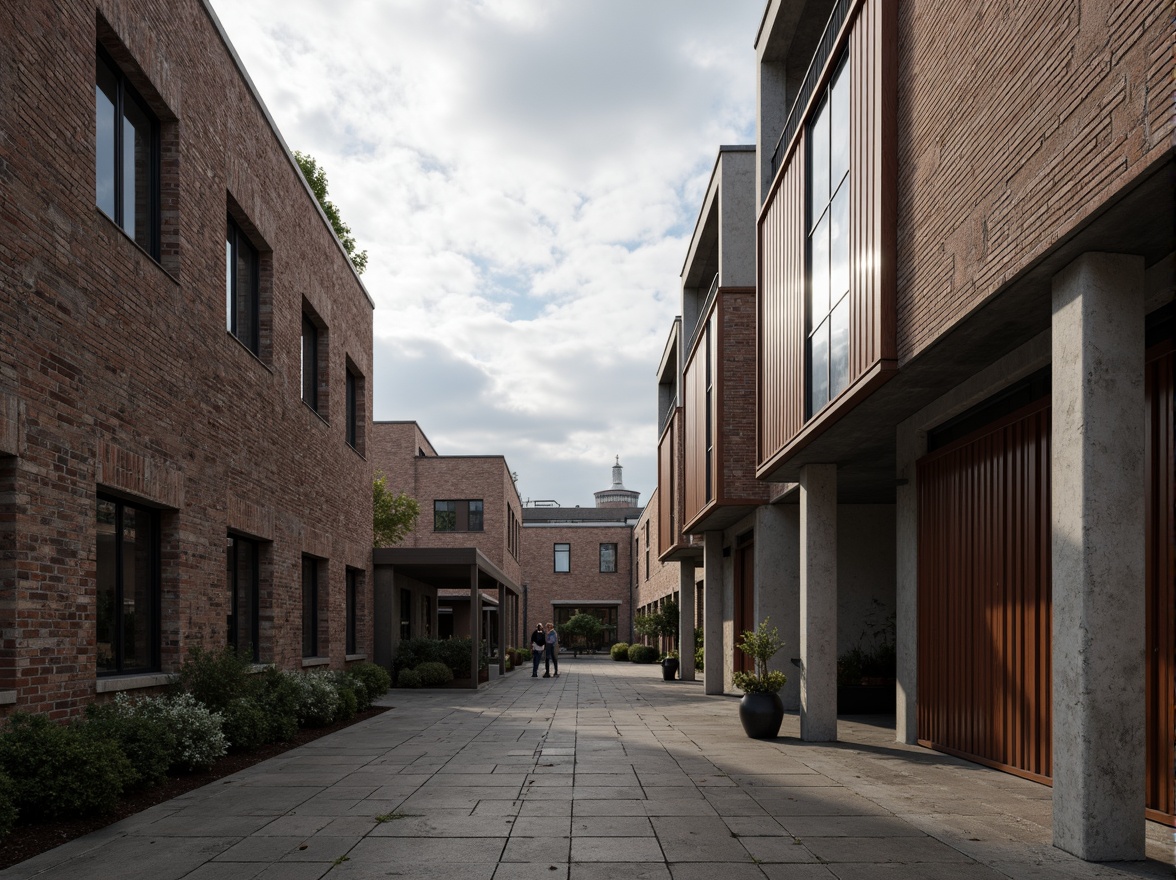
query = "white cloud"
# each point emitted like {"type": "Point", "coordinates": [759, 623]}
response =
{"type": "Point", "coordinates": [524, 176]}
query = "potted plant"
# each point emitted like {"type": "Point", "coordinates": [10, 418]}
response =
{"type": "Point", "coordinates": [761, 711]}
{"type": "Point", "coordinates": [669, 666]}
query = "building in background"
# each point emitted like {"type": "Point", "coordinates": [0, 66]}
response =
{"type": "Point", "coordinates": [581, 560]}
{"type": "Point", "coordinates": [185, 367]}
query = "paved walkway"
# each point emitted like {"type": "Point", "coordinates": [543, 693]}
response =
{"type": "Point", "coordinates": [605, 772]}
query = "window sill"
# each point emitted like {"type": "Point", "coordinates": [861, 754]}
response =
{"type": "Point", "coordinates": [7, 698]}
{"type": "Point", "coordinates": [315, 661]}
{"type": "Point", "coordinates": [173, 276]}
{"type": "Point", "coordinates": [317, 414]}
{"type": "Point", "coordinates": [116, 683]}
{"type": "Point", "coordinates": [351, 657]}
{"type": "Point", "coordinates": [249, 351]}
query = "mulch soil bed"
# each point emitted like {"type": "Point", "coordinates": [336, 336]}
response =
{"type": "Point", "coordinates": [26, 841]}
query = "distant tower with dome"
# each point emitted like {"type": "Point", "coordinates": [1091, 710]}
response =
{"type": "Point", "coordinates": [616, 495]}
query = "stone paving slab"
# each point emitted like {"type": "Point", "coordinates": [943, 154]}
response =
{"type": "Point", "coordinates": [605, 772]}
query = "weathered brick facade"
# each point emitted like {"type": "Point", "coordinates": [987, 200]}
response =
{"type": "Point", "coordinates": [117, 374]}
{"type": "Point", "coordinates": [655, 580]}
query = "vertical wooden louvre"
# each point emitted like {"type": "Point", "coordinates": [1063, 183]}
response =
{"type": "Point", "coordinates": [1161, 594]}
{"type": "Point", "coordinates": [695, 459]}
{"type": "Point", "coordinates": [667, 487]}
{"type": "Point", "coordinates": [984, 596]}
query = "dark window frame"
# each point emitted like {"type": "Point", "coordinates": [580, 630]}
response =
{"type": "Point", "coordinates": [614, 568]}
{"type": "Point", "coordinates": [125, 92]}
{"type": "Point", "coordinates": [459, 515]}
{"type": "Point", "coordinates": [567, 556]}
{"type": "Point", "coordinates": [820, 211]}
{"type": "Point", "coordinates": [310, 362]}
{"type": "Point", "coordinates": [351, 397]}
{"type": "Point", "coordinates": [235, 240]}
{"type": "Point", "coordinates": [352, 611]}
{"type": "Point", "coordinates": [234, 571]}
{"type": "Point", "coordinates": [310, 602]}
{"type": "Point", "coordinates": [155, 575]}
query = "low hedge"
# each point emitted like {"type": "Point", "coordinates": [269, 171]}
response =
{"type": "Point", "coordinates": [619, 651]}
{"type": "Point", "coordinates": [642, 654]}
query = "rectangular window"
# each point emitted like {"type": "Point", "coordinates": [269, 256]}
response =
{"type": "Point", "coordinates": [405, 614]}
{"type": "Point", "coordinates": [608, 557]}
{"type": "Point", "coordinates": [352, 411]}
{"type": "Point", "coordinates": [128, 588]}
{"type": "Point", "coordinates": [563, 557]}
{"type": "Point", "coordinates": [310, 607]}
{"type": "Point", "coordinates": [647, 549]}
{"type": "Point", "coordinates": [458, 516]}
{"type": "Point", "coordinates": [242, 288]}
{"type": "Point", "coordinates": [243, 596]}
{"type": "Point", "coordinates": [126, 156]}
{"type": "Point", "coordinates": [352, 610]}
{"type": "Point", "coordinates": [310, 363]}
{"type": "Point", "coordinates": [828, 244]}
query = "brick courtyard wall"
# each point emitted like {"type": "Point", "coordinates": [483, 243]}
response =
{"type": "Point", "coordinates": [584, 582]}
{"type": "Point", "coordinates": [994, 169]}
{"type": "Point", "coordinates": [660, 579]}
{"type": "Point", "coordinates": [117, 373]}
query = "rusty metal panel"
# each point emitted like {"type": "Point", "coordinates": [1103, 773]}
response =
{"type": "Point", "coordinates": [984, 595]}
{"type": "Point", "coordinates": [1161, 593]}
{"type": "Point", "coordinates": [694, 460]}
{"type": "Point", "coordinates": [781, 330]}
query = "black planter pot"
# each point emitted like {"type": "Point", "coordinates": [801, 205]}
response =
{"type": "Point", "coordinates": [669, 668]}
{"type": "Point", "coordinates": [761, 715]}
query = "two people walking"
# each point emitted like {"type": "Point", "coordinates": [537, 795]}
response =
{"type": "Point", "coordinates": [547, 645]}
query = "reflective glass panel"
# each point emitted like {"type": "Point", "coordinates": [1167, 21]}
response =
{"type": "Point", "coordinates": [819, 284]}
{"type": "Point", "coordinates": [839, 244]}
{"type": "Point", "coordinates": [107, 632]}
{"type": "Point", "coordinates": [820, 366]}
{"type": "Point", "coordinates": [105, 102]}
{"type": "Point", "coordinates": [820, 160]}
{"type": "Point", "coordinates": [839, 348]}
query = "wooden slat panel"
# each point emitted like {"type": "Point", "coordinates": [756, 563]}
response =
{"type": "Point", "coordinates": [667, 525]}
{"type": "Point", "coordinates": [984, 596]}
{"type": "Point", "coordinates": [694, 460]}
{"type": "Point", "coordinates": [1161, 592]}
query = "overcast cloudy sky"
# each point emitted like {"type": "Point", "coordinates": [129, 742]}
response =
{"type": "Point", "coordinates": [525, 176]}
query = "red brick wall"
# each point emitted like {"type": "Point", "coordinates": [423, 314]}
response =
{"type": "Point", "coordinates": [737, 352]}
{"type": "Point", "coordinates": [662, 577]}
{"type": "Point", "coordinates": [122, 371]}
{"type": "Point", "coordinates": [1016, 121]}
{"type": "Point", "coordinates": [584, 581]}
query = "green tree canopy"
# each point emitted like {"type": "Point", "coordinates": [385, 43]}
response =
{"type": "Point", "coordinates": [581, 631]}
{"type": "Point", "coordinates": [317, 178]}
{"type": "Point", "coordinates": [393, 516]}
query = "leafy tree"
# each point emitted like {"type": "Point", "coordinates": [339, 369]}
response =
{"type": "Point", "coordinates": [393, 516]}
{"type": "Point", "coordinates": [581, 631]}
{"type": "Point", "coordinates": [317, 178]}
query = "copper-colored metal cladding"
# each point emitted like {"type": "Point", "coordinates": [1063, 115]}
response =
{"type": "Point", "coordinates": [667, 486]}
{"type": "Point", "coordinates": [984, 595]}
{"type": "Point", "coordinates": [701, 371]}
{"type": "Point", "coordinates": [870, 39]}
{"type": "Point", "coordinates": [1161, 591]}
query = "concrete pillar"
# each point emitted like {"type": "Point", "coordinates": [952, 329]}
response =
{"type": "Point", "coordinates": [911, 444]}
{"type": "Point", "coordinates": [475, 624]}
{"type": "Point", "coordinates": [1099, 614]}
{"type": "Point", "coordinates": [383, 582]}
{"type": "Point", "coordinates": [686, 619]}
{"type": "Point", "coordinates": [777, 587]}
{"type": "Point", "coordinates": [712, 621]}
{"type": "Point", "coordinates": [818, 602]}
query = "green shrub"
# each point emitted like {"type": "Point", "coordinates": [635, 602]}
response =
{"type": "Point", "coordinates": [375, 678]}
{"type": "Point", "coordinates": [277, 694]}
{"type": "Point", "coordinates": [216, 678]}
{"type": "Point", "coordinates": [200, 740]}
{"type": "Point", "coordinates": [348, 703]}
{"type": "Point", "coordinates": [59, 772]}
{"type": "Point", "coordinates": [363, 700]}
{"type": "Point", "coordinates": [408, 678]}
{"type": "Point", "coordinates": [147, 742]}
{"type": "Point", "coordinates": [8, 810]}
{"type": "Point", "coordinates": [619, 651]}
{"type": "Point", "coordinates": [245, 726]}
{"type": "Point", "coordinates": [318, 698]}
{"type": "Point", "coordinates": [434, 674]}
{"type": "Point", "coordinates": [698, 664]}
{"type": "Point", "coordinates": [643, 654]}
{"type": "Point", "coordinates": [411, 653]}
{"type": "Point", "coordinates": [455, 653]}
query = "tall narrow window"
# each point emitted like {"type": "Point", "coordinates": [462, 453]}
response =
{"type": "Point", "coordinates": [444, 516]}
{"type": "Point", "coordinates": [475, 516]}
{"type": "Point", "coordinates": [242, 286]}
{"type": "Point", "coordinates": [647, 549]}
{"type": "Point", "coordinates": [608, 557]}
{"type": "Point", "coordinates": [128, 588]}
{"type": "Point", "coordinates": [563, 557]}
{"type": "Point", "coordinates": [405, 614]}
{"type": "Point", "coordinates": [352, 610]}
{"type": "Point", "coordinates": [243, 595]}
{"type": "Point", "coordinates": [828, 225]}
{"type": "Point", "coordinates": [310, 607]}
{"type": "Point", "coordinates": [310, 370]}
{"type": "Point", "coordinates": [126, 159]}
{"type": "Point", "coordinates": [352, 410]}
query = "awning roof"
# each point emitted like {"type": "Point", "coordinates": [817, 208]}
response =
{"type": "Point", "coordinates": [445, 567]}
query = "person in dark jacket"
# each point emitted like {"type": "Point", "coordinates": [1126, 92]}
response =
{"type": "Point", "coordinates": [551, 655]}
{"type": "Point", "coordinates": [538, 644]}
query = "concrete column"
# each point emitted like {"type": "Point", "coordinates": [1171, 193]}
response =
{"type": "Point", "coordinates": [818, 602]}
{"type": "Point", "coordinates": [382, 611]}
{"type": "Point", "coordinates": [686, 619]}
{"type": "Point", "coordinates": [777, 587]}
{"type": "Point", "coordinates": [911, 445]}
{"type": "Point", "coordinates": [712, 621]}
{"type": "Point", "coordinates": [1099, 614]}
{"type": "Point", "coordinates": [475, 624]}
